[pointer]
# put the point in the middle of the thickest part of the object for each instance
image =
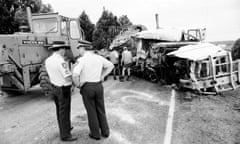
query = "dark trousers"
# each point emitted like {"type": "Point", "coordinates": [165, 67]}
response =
{"type": "Point", "coordinates": [62, 99]}
{"type": "Point", "coordinates": [93, 100]}
{"type": "Point", "coordinates": [116, 70]}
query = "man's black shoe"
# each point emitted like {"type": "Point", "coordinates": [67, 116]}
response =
{"type": "Point", "coordinates": [95, 138]}
{"type": "Point", "coordinates": [105, 135]}
{"type": "Point", "coordinates": [69, 138]}
{"type": "Point", "coordinates": [121, 79]}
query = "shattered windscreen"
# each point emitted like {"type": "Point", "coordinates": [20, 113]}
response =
{"type": "Point", "coordinates": [45, 25]}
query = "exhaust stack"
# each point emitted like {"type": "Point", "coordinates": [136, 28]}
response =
{"type": "Point", "coordinates": [157, 21]}
{"type": "Point", "coordinates": [29, 16]}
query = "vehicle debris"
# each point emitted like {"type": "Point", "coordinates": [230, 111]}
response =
{"type": "Point", "coordinates": [182, 57]}
{"type": "Point", "coordinates": [210, 68]}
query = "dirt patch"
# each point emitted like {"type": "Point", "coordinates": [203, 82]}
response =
{"type": "Point", "coordinates": [208, 120]}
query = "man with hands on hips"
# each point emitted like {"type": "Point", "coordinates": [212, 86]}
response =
{"type": "Point", "coordinates": [88, 74]}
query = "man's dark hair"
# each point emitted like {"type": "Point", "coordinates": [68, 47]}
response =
{"type": "Point", "coordinates": [139, 28]}
{"type": "Point", "coordinates": [57, 49]}
{"type": "Point", "coordinates": [57, 45]}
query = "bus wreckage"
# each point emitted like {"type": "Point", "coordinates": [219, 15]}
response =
{"type": "Point", "coordinates": [210, 69]}
{"type": "Point", "coordinates": [172, 56]}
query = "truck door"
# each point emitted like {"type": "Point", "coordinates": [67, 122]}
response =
{"type": "Point", "coordinates": [75, 34]}
{"type": "Point", "coordinates": [226, 73]}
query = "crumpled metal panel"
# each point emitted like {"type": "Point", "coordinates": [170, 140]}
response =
{"type": "Point", "coordinates": [198, 52]}
{"type": "Point", "coordinates": [161, 34]}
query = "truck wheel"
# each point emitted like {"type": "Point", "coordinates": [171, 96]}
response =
{"type": "Point", "coordinates": [236, 50]}
{"type": "Point", "coordinates": [45, 82]}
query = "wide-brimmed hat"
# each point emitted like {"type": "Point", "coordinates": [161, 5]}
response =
{"type": "Point", "coordinates": [86, 44]}
{"type": "Point", "coordinates": [59, 44]}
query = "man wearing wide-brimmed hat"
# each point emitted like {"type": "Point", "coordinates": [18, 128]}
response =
{"type": "Point", "coordinates": [88, 74]}
{"type": "Point", "coordinates": [60, 78]}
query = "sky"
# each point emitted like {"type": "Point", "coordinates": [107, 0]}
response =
{"type": "Point", "coordinates": [221, 18]}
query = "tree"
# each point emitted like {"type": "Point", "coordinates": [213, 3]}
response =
{"type": "Point", "coordinates": [36, 7]}
{"type": "Point", "coordinates": [46, 8]}
{"type": "Point", "coordinates": [13, 13]}
{"type": "Point", "coordinates": [7, 22]}
{"type": "Point", "coordinates": [87, 26]}
{"type": "Point", "coordinates": [236, 49]}
{"type": "Point", "coordinates": [107, 28]}
{"type": "Point", "coordinates": [125, 22]}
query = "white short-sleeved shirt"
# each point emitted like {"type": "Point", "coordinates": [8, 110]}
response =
{"type": "Point", "coordinates": [127, 57]}
{"type": "Point", "coordinates": [90, 67]}
{"type": "Point", "coordinates": [114, 56]}
{"type": "Point", "coordinates": [58, 70]}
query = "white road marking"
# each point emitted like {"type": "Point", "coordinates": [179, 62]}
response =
{"type": "Point", "coordinates": [134, 92]}
{"type": "Point", "coordinates": [8, 130]}
{"type": "Point", "coordinates": [168, 131]}
{"type": "Point", "coordinates": [119, 137]}
{"type": "Point", "coordinates": [140, 96]}
{"type": "Point", "coordinates": [122, 115]}
{"type": "Point", "coordinates": [160, 102]}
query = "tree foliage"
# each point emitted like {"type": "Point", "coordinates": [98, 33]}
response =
{"type": "Point", "coordinates": [107, 28]}
{"type": "Point", "coordinates": [125, 22]}
{"type": "Point", "coordinates": [7, 22]}
{"type": "Point", "coordinates": [236, 50]}
{"type": "Point", "coordinates": [46, 8]}
{"type": "Point", "coordinates": [87, 26]}
{"type": "Point", "coordinates": [13, 13]}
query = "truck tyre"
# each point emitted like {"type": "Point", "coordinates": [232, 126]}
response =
{"type": "Point", "coordinates": [45, 82]}
{"type": "Point", "coordinates": [236, 50]}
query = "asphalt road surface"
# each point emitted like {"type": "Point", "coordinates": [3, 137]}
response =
{"type": "Point", "coordinates": [137, 112]}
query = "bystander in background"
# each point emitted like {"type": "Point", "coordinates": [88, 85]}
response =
{"type": "Point", "coordinates": [114, 58]}
{"type": "Point", "coordinates": [126, 62]}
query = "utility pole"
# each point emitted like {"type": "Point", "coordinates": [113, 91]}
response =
{"type": "Point", "coordinates": [1, 82]}
{"type": "Point", "coordinates": [1, 79]}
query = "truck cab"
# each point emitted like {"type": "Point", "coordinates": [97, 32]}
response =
{"type": "Point", "coordinates": [196, 34]}
{"type": "Point", "coordinates": [57, 27]}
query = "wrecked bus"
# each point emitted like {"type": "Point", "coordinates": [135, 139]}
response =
{"type": "Point", "coordinates": [209, 68]}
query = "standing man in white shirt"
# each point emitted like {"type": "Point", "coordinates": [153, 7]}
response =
{"type": "Point", "coordinates": [114, 58]}
{"type": "Point", "coordinates": [88, 74]}
{"type": "Point", "coordinates": [126, 62]}
{"type": "Point", "coordinates": [61, 80]}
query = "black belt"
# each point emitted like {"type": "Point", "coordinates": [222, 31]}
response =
{"type": "Point", "coordinates": [60, 86]}
{"type": "Point", "coordinates": [91, 83]}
